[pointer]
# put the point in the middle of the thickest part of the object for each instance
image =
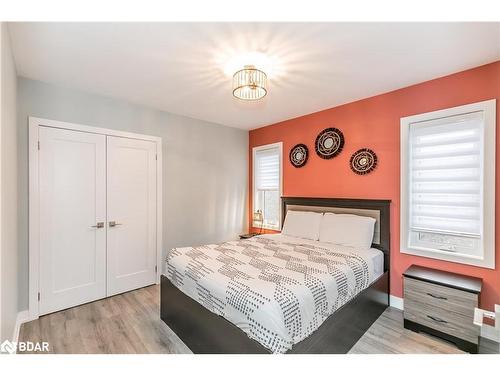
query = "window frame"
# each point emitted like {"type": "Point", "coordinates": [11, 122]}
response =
{"type": "Point", "coordinates": [255, 149]}
{"type": "Point", "coordinates": [487, 260]}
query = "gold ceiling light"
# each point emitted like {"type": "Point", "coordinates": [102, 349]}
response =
{"type": "Point", "coordinates": [249, 83]}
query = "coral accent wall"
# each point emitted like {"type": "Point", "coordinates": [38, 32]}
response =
{"type": "Point", "coordinates": [374, 123]}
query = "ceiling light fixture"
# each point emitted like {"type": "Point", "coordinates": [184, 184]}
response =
{"type": "Point", "coordinates": [249, 83]}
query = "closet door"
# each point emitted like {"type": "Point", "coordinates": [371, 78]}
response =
{"type": "Point", "coordinates": [131, 213]}
{"type": "Point", "coordinates": [72, 183]}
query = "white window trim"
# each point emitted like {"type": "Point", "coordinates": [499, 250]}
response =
{"type": "Point", "coordinates": [488, 260]}
{"type": "Point", "coordinates": [254, 152]}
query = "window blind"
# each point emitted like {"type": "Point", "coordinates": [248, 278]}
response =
{"type": "Point", "coordinates": [267, 171]}
{"type": "Point", "coordinates": [446, 157]}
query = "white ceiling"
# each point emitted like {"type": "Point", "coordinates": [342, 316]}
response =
{"type": "Point", "coordinates": [179, 67]}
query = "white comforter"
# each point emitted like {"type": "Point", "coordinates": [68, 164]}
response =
{"type": "Point", "coordinates": [276, 290]}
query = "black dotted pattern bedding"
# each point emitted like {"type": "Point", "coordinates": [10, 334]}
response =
{"type": "Point", "coordinates": [278, 293]}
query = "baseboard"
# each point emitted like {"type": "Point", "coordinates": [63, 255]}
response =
{"type": "Point", "coordinates": [396, 302]}
{"type": "Point", "coordinates": [22, 317]}
{"type": "Point", "coordinates": [490, 333]}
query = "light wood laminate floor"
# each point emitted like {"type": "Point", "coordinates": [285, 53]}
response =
{"type": "Point", "coordinates": [130, 323]}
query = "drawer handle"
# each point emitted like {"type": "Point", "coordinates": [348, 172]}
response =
{"type": "Point", "coordinates": [437, 297]}
{"type": "Point", "coordinates": [437, 319]}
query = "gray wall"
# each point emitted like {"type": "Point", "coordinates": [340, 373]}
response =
{"type": "Point", "coordinates": [9, 173]}
{"type": "Point", "coordinates": [205, 166]}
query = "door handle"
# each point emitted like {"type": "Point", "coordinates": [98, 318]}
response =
{"type": "Point", "coordinates": [100, 224]}
{"type": "Point", "coordinates": [113, 224]}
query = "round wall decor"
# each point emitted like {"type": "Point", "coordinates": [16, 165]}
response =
{"type": "Point", "coordinates": [298, 155]}
{"type": "Point", "coordinates": [363, 161]}
{"type": "Point", "coordinates": [329, 143]}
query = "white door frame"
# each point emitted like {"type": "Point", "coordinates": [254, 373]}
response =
{"type": "Point", "coordinates": [34, 198]}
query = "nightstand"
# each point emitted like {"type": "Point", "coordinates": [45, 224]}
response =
{"type": "Point", "coordinates": [248, 235]}
{"type": "Point", "coordinates": [442, 304]}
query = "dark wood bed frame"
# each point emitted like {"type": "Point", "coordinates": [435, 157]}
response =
{"type": "Point", "coordinates": [205, 332]}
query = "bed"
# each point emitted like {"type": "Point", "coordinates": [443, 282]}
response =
{"type": "Point", "coordinates": [280, 294]}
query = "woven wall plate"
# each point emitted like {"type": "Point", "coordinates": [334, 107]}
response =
{"type": "Point", "coordinates": [363, 161]}
{"type": "Point", "coordinates": [298, 155]}
{"type": "Point", "coordinates": [329, 143]}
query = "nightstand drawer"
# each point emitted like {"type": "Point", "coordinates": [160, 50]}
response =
{"type": "Point", "coordinates": [454, 300]}
{"type": "Point", "coordinates": [442, 320]}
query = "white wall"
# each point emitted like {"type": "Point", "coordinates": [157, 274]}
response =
{"type": "Point", "coordinates": [205, 166]}
{"type": "Point", "coordinates": [8, 175]}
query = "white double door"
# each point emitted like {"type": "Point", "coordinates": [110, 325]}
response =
{"type": "Point", "coordinates": [97, 216]}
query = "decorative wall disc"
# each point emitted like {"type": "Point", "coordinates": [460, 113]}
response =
{"type": "Point", "coordinates": [329, 143]}
{"type": "Point", "coordinates": [298, 155]}
{"type": "Point", "coordinates": [363, 161]}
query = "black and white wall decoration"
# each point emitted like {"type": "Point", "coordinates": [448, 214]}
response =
{"type": "Point", "coordinates": [298, 155]}
{"type": "Point", "coordinates": [363, 161]}
{"type": "Point", "coordinates": [329, 143]}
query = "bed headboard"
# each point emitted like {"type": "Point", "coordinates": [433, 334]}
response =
{"type": "Point", "coordinates": [377, 208]}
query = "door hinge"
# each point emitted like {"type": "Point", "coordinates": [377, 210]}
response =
{"type": "Point", "coordinates": [39, 296]}
{"type": "Point", "coordinates": [39, 145]}
{"type": "Point", "coordinates": [156, 157]}
{"type": "Point", "coordinates": [156, 269]}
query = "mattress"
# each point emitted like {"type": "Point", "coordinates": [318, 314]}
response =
{"type": "Point", "coordinates": [275, 288]}
{"type": "Point", "coordinates": [374, 256]}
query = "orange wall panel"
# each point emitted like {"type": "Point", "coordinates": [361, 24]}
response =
{"type": "Point", "coordinates": [375, 123]}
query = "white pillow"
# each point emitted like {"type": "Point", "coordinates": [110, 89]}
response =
{"type": "Point", "coordinates": [302, 224]}
{"type": "Point", "coordinates": [347, 230]}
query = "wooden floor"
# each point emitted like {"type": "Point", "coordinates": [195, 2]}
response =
{"type": "Point", "coordinates": [126, 323]}
{"type": "Point", "coordinates": [130, 323]}
{"type": "Point", "coordinates": [387, 336]}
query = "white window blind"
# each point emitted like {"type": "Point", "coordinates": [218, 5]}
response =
{"type": "Point", "coordinates": [446, 168]}
{"type": "Point", "coordinates": [268, 169]}
{"type": "Point", "coordinates": [267, 184]}
{"type": "Point", "coordinates": [448, 184]}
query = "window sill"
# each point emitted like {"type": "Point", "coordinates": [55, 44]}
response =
{"type": "Point", "coordinates": [264, 230]}
{"type": "Point", "coordinates": [450, 257]}
{"type": "Point", "coordinates": [269, 227]}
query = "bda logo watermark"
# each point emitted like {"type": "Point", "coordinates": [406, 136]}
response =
{"type": "Point", "coordinates": [8, 347]}
{"type": "Point", "coordinates": [12, 347]}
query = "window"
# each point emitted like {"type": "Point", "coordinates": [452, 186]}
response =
{"type": "Point", "coordinates": [267, 184]}
{"type": "Point", "coordinates": [448, 184]}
